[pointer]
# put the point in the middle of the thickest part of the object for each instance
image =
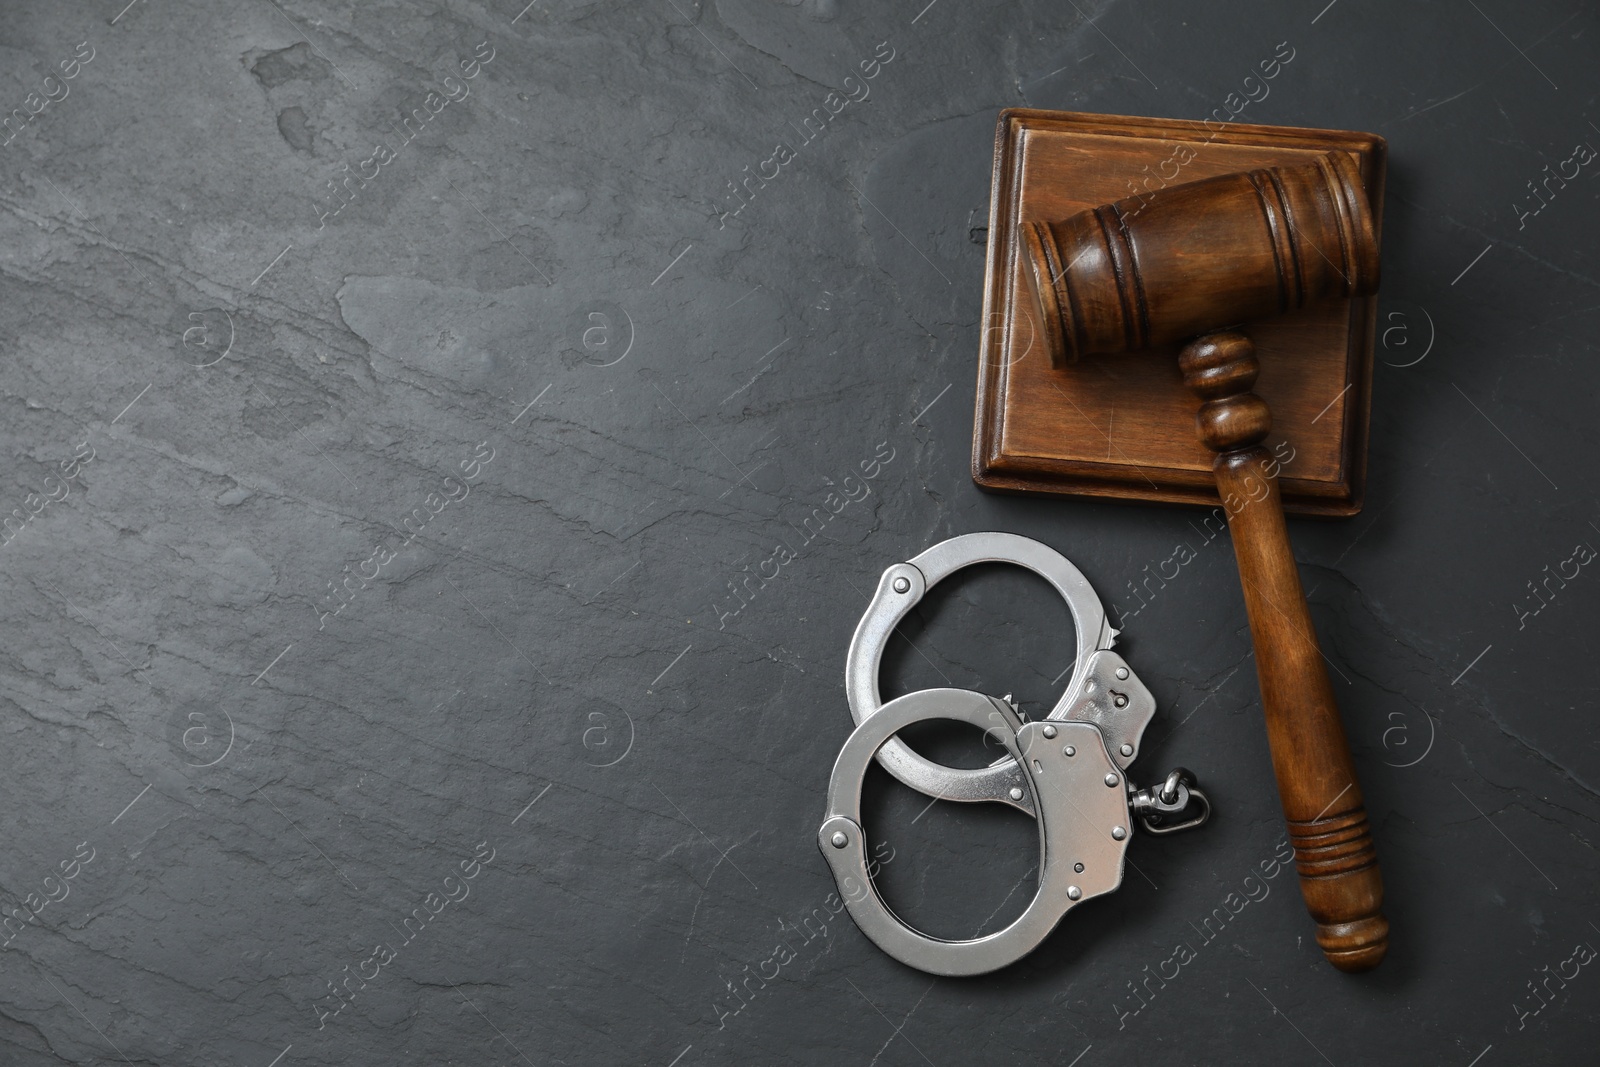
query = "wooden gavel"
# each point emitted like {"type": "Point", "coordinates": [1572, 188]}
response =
{"type": "Point", "coordinates": [1201, 257]}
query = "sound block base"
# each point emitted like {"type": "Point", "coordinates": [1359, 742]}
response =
{"type": "Point", "coordinates": [1122, 426]}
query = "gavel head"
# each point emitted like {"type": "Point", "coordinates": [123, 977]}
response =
{"type": "Point", "coordinates": [1193, 258]}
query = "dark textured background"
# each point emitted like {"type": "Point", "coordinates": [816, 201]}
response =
{"type": "Point", "coordinates": [268, 793]}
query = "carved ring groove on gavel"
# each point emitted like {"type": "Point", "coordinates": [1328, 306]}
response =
{"type": "Point", "coordinates": [1187, 262]}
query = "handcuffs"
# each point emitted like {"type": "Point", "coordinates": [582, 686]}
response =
{"type": "Point", "coordinates": [1067, 770]}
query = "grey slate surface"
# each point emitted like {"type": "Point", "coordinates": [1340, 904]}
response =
{"type": "Point", "coordinates": [544, 718]}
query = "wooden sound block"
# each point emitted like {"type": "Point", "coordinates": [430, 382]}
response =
{"type": "Point", "coordinates": [1123, 426]}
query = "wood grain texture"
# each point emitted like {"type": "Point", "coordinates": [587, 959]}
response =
{"type": "Point", "coordinates": [1162, 267]}
{"type": "Point", "coordinates": [1322, 802]}
{"type": "Point", "coordinates": [1120, 429]}
{"type": "Point", "coordinates": [1289, 240]}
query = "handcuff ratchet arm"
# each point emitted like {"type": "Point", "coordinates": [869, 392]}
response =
{"type": "Point", "coordinates": [1081, 809]}
{"type": "Point", "coordinates": [1103, 689]}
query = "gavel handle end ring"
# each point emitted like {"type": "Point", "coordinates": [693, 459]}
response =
{"type": "Point", "coordinates": [1343, 887]}
{"type": "Point", "coordinates": [1355, 946]}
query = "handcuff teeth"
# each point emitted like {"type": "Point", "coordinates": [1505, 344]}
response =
{"type": "Point", "coordinates": [1082, 827]}
{"type": "Point", "coordinates": [902, 586]}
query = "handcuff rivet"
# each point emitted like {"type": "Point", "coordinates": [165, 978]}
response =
{"type": "Point", "coordinates": [1077, 868]}
{"type": "Point", "coordinates": [1016, 792]}
{"type": "Point", "coordinates": [1120, 701]}
{"type": "Point", "coordinates": [1111, 779]}
{"type": "Point", "coordinates": [902, 585]}
{"type": "Point", "coordinates": [1073, 892]}
{"type": "Point", "coordinates": [1118, 833]}
{"type": "Point", "coordinates": [1126, 750]}
{"type": "Point", "coordinates": [1069, 751]}
{"type": "Point", "coordinates": [1049, 732]}
{"type": "Point", "coordinates": [1122, 674]}
{"type": "Point", "coordinates": [839, 840]}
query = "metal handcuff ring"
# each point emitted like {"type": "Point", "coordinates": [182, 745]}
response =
{"type": "Point", "coordinates": [1065, 770]}
{"type": "Point", "coordinates": [1077, 797]}
{"type": "Point", "coordinates": [1103, 689]}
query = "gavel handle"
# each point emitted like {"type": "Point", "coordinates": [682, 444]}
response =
{"type": "Point", "coordinates": [1322, 801]}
